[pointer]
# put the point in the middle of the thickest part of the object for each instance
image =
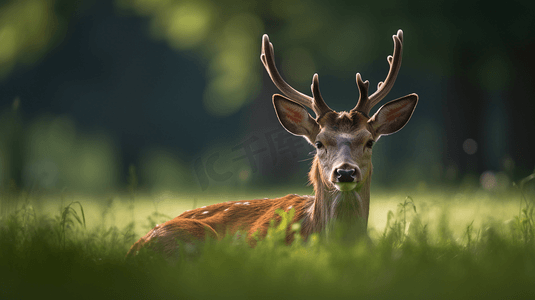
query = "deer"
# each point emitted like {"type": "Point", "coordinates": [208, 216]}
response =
{"type": "Point", "coordinates": [340, 173]}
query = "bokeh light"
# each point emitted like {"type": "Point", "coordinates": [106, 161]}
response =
{"type": "Point", "coordinates": [27, 31]}
{"type": "Point", "coordinates": [470, 146]}
{"type": "Point", "coordinates": [488, 180]}
{"type": "Point", "coordinates": [494, 181]}
{"type": "Point", "coordinates": [188, 23]}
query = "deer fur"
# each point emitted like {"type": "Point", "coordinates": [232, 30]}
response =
{"type": "Point", "coordinates": [340, 174]}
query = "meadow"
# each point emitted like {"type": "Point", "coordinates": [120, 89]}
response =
{"type": "Point", "coordinates": [432, 244]}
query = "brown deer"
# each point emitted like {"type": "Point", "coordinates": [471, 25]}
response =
{"type": "Point", "coordinates": [341, 170]}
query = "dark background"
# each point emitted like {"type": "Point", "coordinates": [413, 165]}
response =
{"type": "Point", "coordinates": [176, 89]}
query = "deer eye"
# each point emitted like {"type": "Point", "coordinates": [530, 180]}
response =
{"type": "Point", "coordinates": [319, 145]}
{"type": "Point", "coordinates": [369, 144]}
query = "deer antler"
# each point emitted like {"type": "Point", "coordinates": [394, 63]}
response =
{"type": "Point", "coordinates": [316, 102]}
{"type": "Point", "coordinates": [366, 103]}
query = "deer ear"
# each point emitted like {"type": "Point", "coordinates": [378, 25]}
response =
{"type": "Point", "coordinates": [295, 118]}
{"type": "Point", "coordinates": [392, 116]}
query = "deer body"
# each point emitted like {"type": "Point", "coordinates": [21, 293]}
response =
{"type": "Point", "coordinates": [340, 174]}
{"type": "Point", "coordinates": [215, 221]}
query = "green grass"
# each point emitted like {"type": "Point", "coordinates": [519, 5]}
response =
{"type": "Point", "coordinates": [428, 245]}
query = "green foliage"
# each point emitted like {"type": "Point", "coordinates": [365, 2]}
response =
{"type": "Point", "coordinates": [225, 35]}
{"type": "Point", "coordinates": [48, 153]}
{"type": "Point", "coordinates": [397, 225]}
{"type": "Point", "coordinates": [69, 218]}
{"type": "Point", "coordinates": [523, 224]}
{"type": "Point", "coordinates": [27, 31]}
{"type": "Point", "coordinates": [65, 256]}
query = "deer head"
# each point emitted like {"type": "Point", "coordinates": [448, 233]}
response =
{"type": "Point", "coordinates": [342, 166]}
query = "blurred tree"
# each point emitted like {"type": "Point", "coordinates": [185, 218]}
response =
{"type": "Point", "coordinates": [471, 64]}
{"type": "Point", "coordinates": [29, 29]}
{"type": "Point", "coordinates": [222, 35]}
{"type": "Point", "coordinates": [11, 148]}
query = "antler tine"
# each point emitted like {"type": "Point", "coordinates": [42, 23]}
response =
{"type": "Point", "coordinates": [363, 95]}
{"type": "Point", "coordinates": [320, 107]}
{"type": "Point", "coordinates": [366, 103]}
{"type": "Point", "coordinates": [268, 59]}
{"type": "Point", "coordinates": [395, 63]}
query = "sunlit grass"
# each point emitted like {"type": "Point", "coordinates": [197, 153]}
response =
{"type": "Point", "coordinates": [460, 209]}
{"type": "Point", "coordinates": [430, 244]}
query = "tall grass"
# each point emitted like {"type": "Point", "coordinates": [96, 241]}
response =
{"type": "Point", "coordinates": [62, 257]}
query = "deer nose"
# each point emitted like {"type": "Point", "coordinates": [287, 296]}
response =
{"type": "Point", "coordinates": [345, 175]}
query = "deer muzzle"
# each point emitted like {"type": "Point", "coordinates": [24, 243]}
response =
{"type": "Point", "coordinates": [346, 177]}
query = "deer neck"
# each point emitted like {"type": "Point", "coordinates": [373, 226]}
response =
{"type": "Point", "coordinates": [332, 207]}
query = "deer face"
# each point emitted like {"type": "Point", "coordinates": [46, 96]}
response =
{"type": "Point", "coordinates": [344, 140]}
{"type": "Point", "coordinates": [343, 148]}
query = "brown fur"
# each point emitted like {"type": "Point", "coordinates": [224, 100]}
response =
{"type": "Point", "coordinates": [252, 217]}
